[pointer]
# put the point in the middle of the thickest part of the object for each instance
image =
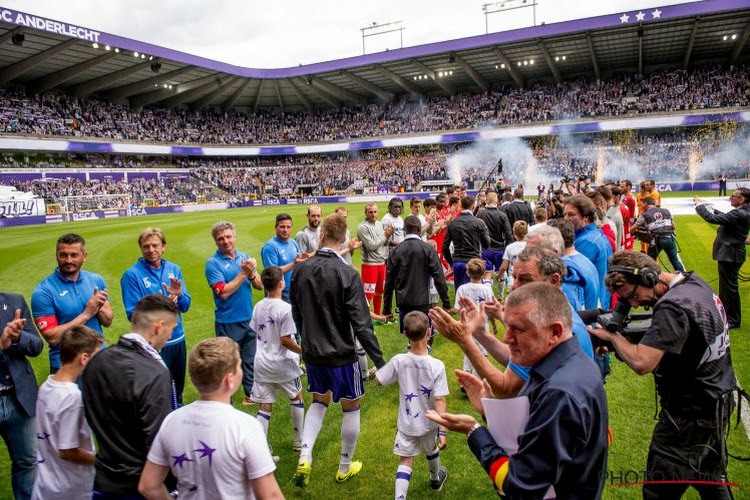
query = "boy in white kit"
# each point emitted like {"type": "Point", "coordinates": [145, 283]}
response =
{"type": "Point", "coordinates": [277, 355]}
{"type": "Point", "coordinates": [66, 449]}
{"type": "Point", "coordinates": [422, 386]}
{"type": "Point", "coordinates": [478, 291]}
{"type": "Point", "coordinates": [212, 449]}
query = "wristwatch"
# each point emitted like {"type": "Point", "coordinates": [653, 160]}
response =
{"type": "Point", "coordinates": [476, 426]}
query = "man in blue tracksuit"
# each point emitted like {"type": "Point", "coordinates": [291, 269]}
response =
{"type": "Point", "coordinates": [152, 274]}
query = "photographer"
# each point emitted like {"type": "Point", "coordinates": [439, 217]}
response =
{"type": "Point", "coordinates": [687, 350]}
{"type": "Point", "coordinates": [659, 232]}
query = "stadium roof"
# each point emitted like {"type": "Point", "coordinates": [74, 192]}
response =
{"type": "Point", "coordinates": [43, 54]}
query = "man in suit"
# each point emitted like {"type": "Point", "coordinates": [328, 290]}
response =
{"type": "Point", "coordinates": [410, 267]}
{"type": "Point", "coordinates": [518, 209]}
{"type": "Point", "coordinates": [18, 391]}
{"type": "Point", "coordinates": [729, 248]}
{"type": "Point", "coordinates": [468, 235]}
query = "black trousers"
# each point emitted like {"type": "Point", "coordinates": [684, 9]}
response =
{"type": "Point", "coordinates": [729, 291]}
{"type": "Point", "coordinates": [687, 449]}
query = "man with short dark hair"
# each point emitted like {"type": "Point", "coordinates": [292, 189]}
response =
{"type": "Point", "coordinates": [282, 250]}
{"type": "Point", "coordinates": [127, 392]}
{"type": "Point", "coordinates": [629, 200]}
{"type": "Point", "coordinates": [330, 310]}
{"type": "Point", "coordinates": [393, 218]}
{"type": "Point", "coordinates": [375, 245]}
{"type": "Point", "coordinates": [687, 349]}
{"type": "Point", "coordinates": [499, 231]}
{"type": "Point", "coordinates": [729, 248]}
{"type": "Point", "coordinates": [582, 275]}
{"type": "Point", "coordinates": [564, 443]}
{"type": "Point", "coordinates": [410, 268]}
{"type": "Point", "coordinates": [468, 235]}
{"type": "Point", "coordinates": [309, 236]}
{"type": "Point", "coordinates": [18, 391]}
{"type": "Point", "coordinates": [660, 225]}
{"type": "Point", "coordinates": [232, 275]}
{"type": "Point", "coordinates": [518, 209]}
{"type": "Point", "coordinates": [69, 297]}
{"type": "Point", "coordinates": [154, 274]}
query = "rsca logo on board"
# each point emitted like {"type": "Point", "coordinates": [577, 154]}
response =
{"type": "Point", "coordinates": [273, 202]}
{"type": "Point", "coordinates": [310, 201]}
{"type": "Point", "coordinates": [85, 216]}
{"type": "Point", "coordinates": [663, 187]}
{"type": "Point", "coordinates": [135, 212]}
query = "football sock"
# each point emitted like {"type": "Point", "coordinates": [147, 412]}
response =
{"type": "Point", "coordinates": [264, 417]}
{"type": "Point", "coordinates": [313, 423]}
{"type": "Point", "coordinates": [363, 367]}
{"type": "Point", "coordinates": [403, 475]}
{"type": "Point", "coordinates": [298, 417]}
{"type": "Point", "coordinates": [433, 462]}
{"type": "Point", "coordinates": [349, 436]}
{"type": "Point", "coordinates": [377, 304]}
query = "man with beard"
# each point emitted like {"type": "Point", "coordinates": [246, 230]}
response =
{"type": "Point", "coordinates": [69, 297]}
{"type": "Point", "coordinates": [309, 237]}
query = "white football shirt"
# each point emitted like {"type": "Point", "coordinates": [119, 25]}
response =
{"type": "Point", "coordinates": [274, 363]}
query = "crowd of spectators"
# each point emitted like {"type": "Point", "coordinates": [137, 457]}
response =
{"type": "Point", "coordinates": [58, 114]}
{"type": "Point", "coordinates": [680, 155]}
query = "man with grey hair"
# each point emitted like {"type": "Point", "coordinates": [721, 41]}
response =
{"type": "Point", "coordinates": [549, 238]}
{"type": "Point", "coordinates": [564, 443]}
{"type": "Point", "coordinates": [232, 275]}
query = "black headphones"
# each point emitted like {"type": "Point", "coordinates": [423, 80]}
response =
{"type": "Point", "coordinates": [645, 275]}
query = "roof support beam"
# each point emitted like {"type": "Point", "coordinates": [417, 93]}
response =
{"type": "Point", "coordinates": [691, 40]}
{"type": "Point", "coordinates": [594, 60]}
{"type": "Point", "coordinates": [739, 44]}
{"type": "Point", "coordinates": [439, 81]}
{"type": "Point", "coordinates": [188, 95]}
{"type": "Point", "coordinates": [400, 81]}
{"type": "Point", "coordinates": [511, 69]}
{"type": "Point", "coordinates": [144, 85]}
{"type": "Point", "coordinates": [226, 105]}
{"type": "Point", "coordinates": [203, 101]}
{"type": "Point", "coordinates": [15, 70]}
{"type": "Point", "coordinates": [550, 62]}
{"type": "Point", "coordinates": [85, 88]}
{"type": "Point", "coordinates": [257, 96]}
{"type": "Point", "coordinates": [302, 97]}
{"type": "Point", "coordinates": [336, 91]}
{"type": "Point", "coordinates": [53, 79]}
{"type": "Point", "coordinates": [481, 81]}
{"type": "Point", "coordinates": [640, 49]}
{"type": "Point", "coordinates": [278, 94]}
{"type": "Point", "coordinates": [326, 97]}
{"type": "Point", "coordinates": [380, 93]}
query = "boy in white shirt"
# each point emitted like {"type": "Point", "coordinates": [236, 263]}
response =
{"type": "Point", "coordinates": [66, 448]}
{"type": "Point", "coordinates": [212, 449]}
{"type": "Point", "coordinates": [505, 275]}
{"type": "Point", "coordinates": [478, 291]}
{"type": "Point", "coordinates": [422, 386]}
{"type": "Point", "coordinates": [277, 355]}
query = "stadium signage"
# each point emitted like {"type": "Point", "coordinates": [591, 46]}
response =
{"type": "Point", "coordinates": [135, 212]}
{"type": "Point", "coordinates": [18, 208]}
{"type": "Point", "coordinates": [41, 23]}
{"type": "Point", "coordinates": [84, 216]}
{"type": "Point", "coordinates": [309, 201]}
{"type": "Point", "coordinates": [663, 187]}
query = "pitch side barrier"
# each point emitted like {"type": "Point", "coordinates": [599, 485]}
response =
{"type": "Point", "coordinates": [679, 206]}
{"type": "Point", "coordinates": [54, 145]}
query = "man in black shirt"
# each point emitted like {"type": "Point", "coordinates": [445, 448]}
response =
{"type": "Point", "coordinates": [687, 350]}
{"type": "Point", "coordinates": [500, 232]}
{"type": "Point", "coordinates": [660, 225]}
{"type": "Point", "coordinates": [468, 235]}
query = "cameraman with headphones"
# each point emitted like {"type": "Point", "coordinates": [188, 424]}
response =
{"type": "Point", "coordinates": [687, 350]}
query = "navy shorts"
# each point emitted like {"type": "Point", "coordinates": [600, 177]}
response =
{"type": "Point", "coordinates": [344, 382]}
{"type": "Point", "coordinates": [493, 259]}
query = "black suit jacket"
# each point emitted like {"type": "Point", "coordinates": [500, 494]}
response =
{"type": "Point", "coordinates": [410, 267]}
{"type": "Point", "coordinates": [14, 357]}
{"type": "Point", "coordinates": [519, 210]}
{"type": "Point", "coordinates": [729, 245]}
{"type": "Point", "coordinates": [469, 236]}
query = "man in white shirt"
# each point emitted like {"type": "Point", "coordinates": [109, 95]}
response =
{"type": "Point", "coordinates": [212, 449]}
{"type": "Point", "coordinates": [393, 219]}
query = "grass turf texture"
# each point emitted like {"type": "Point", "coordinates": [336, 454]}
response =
{"type": "Point", "coordinates": [27, 256]}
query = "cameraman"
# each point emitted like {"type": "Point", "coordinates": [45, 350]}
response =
{"type": "Point", "coordinates": [660, 226]}
{"type": "Point", "coordinates": [687, 350]}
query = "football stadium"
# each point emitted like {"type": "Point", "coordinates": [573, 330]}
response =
{"type": "Point", "coordinates": [360, 195]}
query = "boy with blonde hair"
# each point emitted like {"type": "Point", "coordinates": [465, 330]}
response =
{"type": "Point", "coordinates": [212, 449]}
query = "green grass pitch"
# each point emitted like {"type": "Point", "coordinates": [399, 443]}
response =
{"type": "Point", "coordinates": [27, 256]}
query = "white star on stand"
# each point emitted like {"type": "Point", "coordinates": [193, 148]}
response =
{"type": "Point", "coordinates": [656, 14]}
{"type": "Point", "coordinates": [640, 16]}
{"type": "Point", "coordinates": [624, 18]}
